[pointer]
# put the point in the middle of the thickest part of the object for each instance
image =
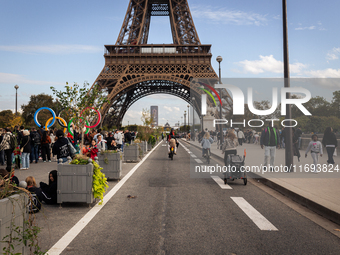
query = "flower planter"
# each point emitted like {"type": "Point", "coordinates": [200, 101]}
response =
{"type": "Point", "coordinates": [144, 146]}
{"type": "Point", "coordinates": [149, 147]}
{"type": "Point", "coordinates": [131, 153]}
{"type": "Point", "coordinates": [13, 209]}
{"type": "Point", "coordinates": [75, 183]}
{"type": "Point", "coordinates": [111, 164]}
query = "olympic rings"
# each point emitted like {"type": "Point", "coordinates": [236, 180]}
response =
{"type": "Point", "coordinates": [59, 121]}
{"type": "Point", "coordinates": [69, 126]}
{"type": "Point", "coordinates": [36, 116]}
{"type": "Point", "coordinates": [62, 122]}
{"type": "Point", "coordinates": [99, 117]}
{"type": "Point", "coordinates": [58, 118]}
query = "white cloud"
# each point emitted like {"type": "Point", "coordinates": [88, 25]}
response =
{"type": "Point", "coordinates": [9, 78]}
{"type": "Point", "coordinates": [333, 54]}
{"type": "Point", "coordinates": [167, 108]}
{"type": "Point", "coordinates": [177, 109]}
{"type": "Point", "coordinates": [326, 73]}
{"type": "Point", "coordinates": [226, 16]}
{"type": "Point", "coordinates": [268, 64]}
{"type": "Point", "coordinates": [306, 28]}
{"type": "Point", "coordinates": [52, 49]}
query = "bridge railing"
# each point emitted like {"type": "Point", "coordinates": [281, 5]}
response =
{"type": "Point", "coordinates": [157, 49]}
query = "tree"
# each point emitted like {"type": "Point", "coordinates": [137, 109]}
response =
{"type": "Point", "coordinates": [36, 102]}
{"type": "Point", "coordinates": [78, 101]}
{"type": "Point", "coordinates": [6, 117]}
{"type": "Point", "coordinates": [145, 131]}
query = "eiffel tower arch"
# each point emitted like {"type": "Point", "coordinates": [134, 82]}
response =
{"type": "Point", "coordinates": [134, 69]}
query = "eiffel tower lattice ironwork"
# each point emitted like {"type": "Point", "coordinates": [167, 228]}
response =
{"type": "Point", "coordinates": [134, 69]}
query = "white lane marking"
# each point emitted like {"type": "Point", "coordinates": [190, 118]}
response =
{"type": "Point", "coordinates": [163, 145]}
{"type": "Point", "coordinates": [81, 224]}
{"type": "Point", "coordinates": [198, 160]}
{"type": "Point", "coordinates": [220, 182]}
{"type": "Point", "coordinates": [254, 215]}
{"type": "Point", "coordinates": [193, 155]}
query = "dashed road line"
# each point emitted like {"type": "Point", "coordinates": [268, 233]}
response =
{"type": "Point", "coordinates": [254, 215]}
{"type": "Point", "coordinates": [220, 182]}
{"type": "Point", "coordinates": [198, 160]}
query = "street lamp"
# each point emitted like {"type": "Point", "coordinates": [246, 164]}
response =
{"type": "Point", "coordinates": [219, 60]}
{"type": "Point", "coordinates": [193, 118]}
{"type": "Point", "coordinates": [185, 118]}
{"type": "Point", "coordinates": [188, 118]}
{"type": "Point", "coordinates": [16, 99]}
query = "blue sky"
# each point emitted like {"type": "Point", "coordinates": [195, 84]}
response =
{"type": "Point", "coordinates": [49, 43]}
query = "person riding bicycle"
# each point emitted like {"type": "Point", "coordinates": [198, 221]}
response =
{"type": "Point", "coordinates": [206, 143]}
{"type": "Point", "coordinates": [172, 141]}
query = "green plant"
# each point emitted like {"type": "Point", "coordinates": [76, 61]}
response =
{"type": "Point", "coordinates": [152, 140]}
{"type": "Point", "coordinates": [99, 183]}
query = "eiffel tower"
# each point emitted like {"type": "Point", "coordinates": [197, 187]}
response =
{"type": "Point", "coordinates": [135, 69]}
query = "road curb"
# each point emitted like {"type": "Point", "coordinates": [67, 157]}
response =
{"type": "Point", "coordinates": [313, 206]}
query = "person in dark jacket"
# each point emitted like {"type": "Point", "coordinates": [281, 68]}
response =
{"type": "Point", "coordinates": [330, 142]}
{"type": "Point", "coordinates": [127, 137]}
{"type": "Point", "coordinates": [35, 200]}
{"type": "Point", "coordinates": [270, 139]}
{"type": "Point", "coordinates": [35, 144]}
{"type": "Point", "coordinates": [49, 191]}
{"type": "Point", "coordinates": [296, 151]}
{"type": "Point", "coordinates": [45, 146]}
{"type": "Point", "coordinates": [60, 147]}
{"type": "Point", "coordinates": [26, 145]}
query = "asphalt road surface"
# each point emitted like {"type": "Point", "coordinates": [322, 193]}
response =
{"type": "Point", "coordinates": [172, 213]}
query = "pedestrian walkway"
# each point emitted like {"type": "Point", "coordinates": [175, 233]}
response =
{"type": "Point", "coordinates": [319, 192]}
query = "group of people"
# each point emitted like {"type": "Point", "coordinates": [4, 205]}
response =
{"type": "Point", "coordinates": [47, 192]}
{"type": "Point", "coordinates": [25, 146]}
{"type": "Point", "coordinates": [271, 139]}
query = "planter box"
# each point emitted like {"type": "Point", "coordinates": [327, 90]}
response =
{"type": "Point", "coordinates": [111, 164]}
{"type": "Point", "coordinates": [131, 153]}
{"type": "Point", "coordinates": [144, 146]}
{"type": "Point", "coordinates": [14, 206]}
{"type": "Point", "coordinates": [149, 147]}
{"type": "Point", "coordinates": [75, 183]}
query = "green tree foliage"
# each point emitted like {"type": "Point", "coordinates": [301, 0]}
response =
{"type": "Point", "coordinates": [36, 102]}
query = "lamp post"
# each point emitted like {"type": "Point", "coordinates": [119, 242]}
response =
{"type": "Point", "coordinates": [193, 118]}
{"type": "Point", "coordinates": [16, 99]}
{"type": "Point", "coordinates": [289, 142]}
{"type": "Point", "coordinates": [188, 118]}
{"type": "Point", "coordinates": [185, 118]}
{"type": "Point", "coordinates": [219, 60]}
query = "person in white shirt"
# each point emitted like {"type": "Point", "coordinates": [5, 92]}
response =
{"type": "Point", "coordinates": [315, 148]}
{"type": "Point", "coordinates": [119, 139]}
{"type": "Point", "coordinates": [240, 136]}
{"type": "Point", "coordinates": [101, 144]}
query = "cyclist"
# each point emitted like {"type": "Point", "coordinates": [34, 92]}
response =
{"type": "Point", "coordinates": [206, 143]}
{"type": "Point", "coordinates": [172, 141]}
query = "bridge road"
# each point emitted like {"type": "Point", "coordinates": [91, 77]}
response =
{"type": "Point", "coordinates": [175, 214]}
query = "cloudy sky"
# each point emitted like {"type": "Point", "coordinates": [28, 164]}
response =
{"type": "Point", "coordinates": [49, 43]}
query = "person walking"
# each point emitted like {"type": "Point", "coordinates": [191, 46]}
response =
{"type": "Point", "coordinates": [35, 144]}
{"type": "Point", "coordinates": [206, 143]}
{"type": "Point", "coordinates": [60, 147]}
{"type": "Point", "coordinates": [330, 142]}
{"type": "Point", "coordinates": [8, 145]}
{"type": "Point", "coordinates": [25, 147]}
{"type": "Point", "coordinates": [45, 146]}
{"type": "Point", "coordinates": [240, 136]}
{"type": "Point", "coordinates": [270, 140]}
{"type": "Point", "coordinates": [315, 148]}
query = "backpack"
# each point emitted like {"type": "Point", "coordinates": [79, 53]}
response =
{"type": "Point", "coordinates": [36, 138]}
{"type": "Point", "coordinates": [34, 204]}
{"type": "Point", "coordinates": [12, 142]}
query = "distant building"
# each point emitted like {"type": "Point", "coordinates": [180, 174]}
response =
{"type": "Point", "coordinates": [167, 127]}
{"type": "Point", "coordinates": [154, 115]}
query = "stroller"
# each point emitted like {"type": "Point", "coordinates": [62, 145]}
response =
{"type": "Point", "coordinates": [234, 172]}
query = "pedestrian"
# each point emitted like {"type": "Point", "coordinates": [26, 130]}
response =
{"type": "Point", "coordinates": [299, 134]}
{"type": "Point", "coordinates": [315, 148]}
{"type": "Point", "coordinates": [283, 137]}
{"type": "Point", "coordinates": [240, 136]}
{"type": "Point", "coordinates": [60, 147]}
{"type": "Point", "coordinates": [119, 138]}
{"type": "Point", "coordinates": [330, 142]}
{"type": "Point", "coordinates": [93, 150]}
{"type": "Point", "coordinates": [45, 146]}
{"type": "Point", "coordinates": [35, 144]}
{"type": "Point", "coordinates": [2, 152]}
{"type": "Point", "coordinates": [127, 137]}
{"type": "Point", "coordinates": [8, 144]}
{"type": "Point", "coordinates": [101, 144]}
{"type": "Point", "coordinates": [296, 151]}
{"type": "Point", "coordinates": [25, 147]}
{"type": "Point", "coordinates": [229, 145]}
{"type": "Point", "coordinates": [34, 204]}
{"type": "Point", "coordinates": [270, 140]}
